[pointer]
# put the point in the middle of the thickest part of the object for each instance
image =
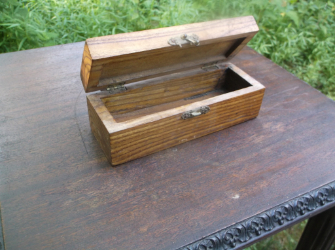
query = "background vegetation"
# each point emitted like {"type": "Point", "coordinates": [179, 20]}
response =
{"type": "Point", "coordinates": [296, 34]}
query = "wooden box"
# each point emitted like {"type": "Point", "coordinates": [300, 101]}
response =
{"type": "Point", "coordinates": [162, 87]}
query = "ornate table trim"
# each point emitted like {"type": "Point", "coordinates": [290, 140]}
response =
{"type": "Point", "coordinates": [247, 231]}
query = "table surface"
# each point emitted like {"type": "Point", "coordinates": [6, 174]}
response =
{"type": "Point", "coordinates": [57, 190]}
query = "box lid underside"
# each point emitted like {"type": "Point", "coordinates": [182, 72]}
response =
{"type": "Point", "coordinates": [140, 55]}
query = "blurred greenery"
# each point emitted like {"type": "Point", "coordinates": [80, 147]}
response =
{"type": "Point", "coordinates": [284, 240]}
{"type": "Point", "coordinates": [296, 34]}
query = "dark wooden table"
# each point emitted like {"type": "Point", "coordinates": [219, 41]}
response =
{"type": "Point", "coordinates": [224, 190]}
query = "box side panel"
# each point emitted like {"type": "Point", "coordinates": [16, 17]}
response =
{"type": "Point", "coordinates": [89, 71]}
{"type": "Point", "coordinates": [99, 130]}
{"type": "Point", "coordinates": [148, 138]}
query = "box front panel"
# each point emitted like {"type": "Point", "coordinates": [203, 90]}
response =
{"type": "Point", "coordinates": [148, 138]}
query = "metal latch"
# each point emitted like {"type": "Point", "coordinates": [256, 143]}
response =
{"type": "Point", "coordinates": [116, 88]}
{"type": "Point", "coordinates": [209, 67]}
{"type": "Point", "coordinates": [196, 112]}
{"type": "Point", "coordinates": [185, 39]}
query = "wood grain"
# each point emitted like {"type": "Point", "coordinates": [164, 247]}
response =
{"type": "Point", "coordinates": [142, 56]}
{"type": "Point", "coordinates": [320, 228]}
{"type": "Point", "coordinates": [155, 136]}
{"type": "Point", "coordinates": [99, 130]}
{"type": "Point", "coordinates": [148, 119]}
{"type": "Point", "coordinates": [137, 55]}
{"type": "Point", "coordinates": [163, 91]}
{"type": "Point", "coordinates": [58, 191]}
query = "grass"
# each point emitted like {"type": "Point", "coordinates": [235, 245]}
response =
{"type": "Point", "coordinates": [296, 34]}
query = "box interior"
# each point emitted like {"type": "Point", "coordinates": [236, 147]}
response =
{"type": "Point", "coordinates": [172, 91]}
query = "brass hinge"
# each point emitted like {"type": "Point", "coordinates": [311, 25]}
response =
{"type": "Point", "coordinates": [116, 88]}
{"type": "Point", "coordinates": [211, 66]}
{"type": "Point", "coordinates": [192, 39]}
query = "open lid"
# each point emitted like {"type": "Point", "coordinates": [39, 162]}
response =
{"type": "Point", "coordinates": [129, 57]}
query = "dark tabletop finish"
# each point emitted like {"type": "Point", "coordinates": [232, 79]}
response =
{"type": "Point", "coordinates": [58, 191]}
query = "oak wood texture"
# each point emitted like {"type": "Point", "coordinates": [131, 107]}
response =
{"type": "Point", "coordinates": [58, 191]}
{"type": "Point", "coordinates": [133, 56]}
{"type": "Point", "coordinates": [148, 119]}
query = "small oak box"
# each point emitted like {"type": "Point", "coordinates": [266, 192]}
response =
{"type": "Point", "coordinates": [162, 87]}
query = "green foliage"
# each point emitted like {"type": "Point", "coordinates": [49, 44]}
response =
{"type": "Point", "coordinates": [26, 24]}
{"type": "Point", "coordinates": [299, 36]}
{"type": "Point", "coordinates": [296, 34]}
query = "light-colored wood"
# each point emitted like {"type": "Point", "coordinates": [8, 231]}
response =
{"type": "Point", "coordinates": [162, 81]}
{"type": "Point", "coordinates": [97, 126]}
{"type": "Point", "coordinates": [138, 55]}
{"type": "Point", "coordinates": [168, 91]}
{"type": "Point", "coordinates": [136, 132]}
{"type": "Point", "coordinates": [152, 137]}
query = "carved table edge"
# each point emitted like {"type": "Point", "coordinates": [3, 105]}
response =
{"type": "Point", "coordinates": [247, 231]}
